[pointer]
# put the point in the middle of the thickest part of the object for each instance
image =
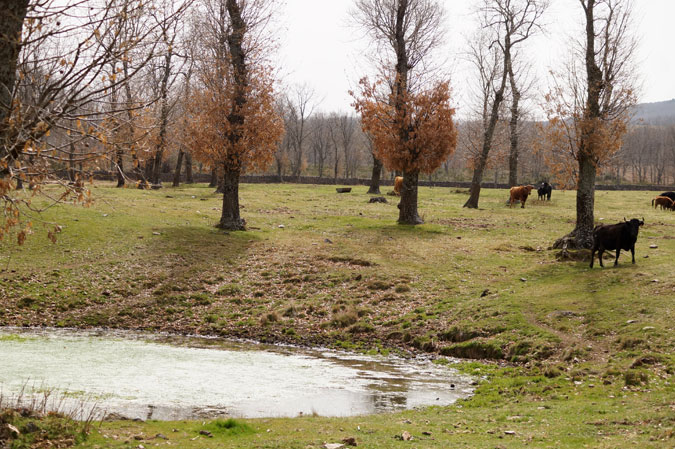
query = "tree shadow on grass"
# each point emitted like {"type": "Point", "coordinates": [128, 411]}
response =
{"type": "Point", "coordinates": [202, 244]}
{"type": "Point", "coordinates": [396, 230]}
{"type": "Point", "coordinates": [191, 249]}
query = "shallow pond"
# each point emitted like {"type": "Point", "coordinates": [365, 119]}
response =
{"type": "Point", "coordinates": [171, 378]}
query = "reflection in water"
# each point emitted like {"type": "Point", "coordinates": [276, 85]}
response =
{"type": "Point", "coordinates": [171, 378]}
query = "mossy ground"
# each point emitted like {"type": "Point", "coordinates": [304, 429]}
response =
{"type": "Point", "coordinates": [580, 357]}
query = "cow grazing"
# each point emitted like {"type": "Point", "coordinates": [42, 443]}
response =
{"type": "Point", "coordinates": [398, 183]}
{"type": "Point", "coordinates": [520, 193]}
{"type": "Point", "coordinates": [544, 191]}
{"type": "Point", "coordinates": [616, 237]}
{"type": "Point", "coordinates": [663, 201]}
{"type": "Point", "coordinates": [670, 195]}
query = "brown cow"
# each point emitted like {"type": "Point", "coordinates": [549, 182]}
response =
{"type": "Point", "coordinates": [398, 183]}
{"type": "Point", "coordinates": [663, 201]}
{"type": "Point", "coordinates": [520, 193]}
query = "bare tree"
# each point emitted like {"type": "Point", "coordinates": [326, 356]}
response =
{"type": "Point", "coordinates": [165, 73]}
{"type": "Point", "coordinates": [520, 83]}
{"type": "Point", "coordinates": [509, 22]}
{"type": "Point", "coordinates": [334, 134]}
{"type": "Point", "coordinates": [183, 150]}
{"type": "Point", "coordinates": [300, 105]}
{"type": "Point", "coordinates": [589, 109]}
{"type": "Point", "coordinates": [74, 47]}
{"type": "Point", "coordinates": [320, 142]}
{"type": "Point", "coordinates": [347, 129]}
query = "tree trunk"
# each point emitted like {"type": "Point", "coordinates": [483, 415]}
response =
{"type": "Point", "coordinates": [188, 168]}
{"type": "Point", "coordinates": [280, 170]}
{"type": "Point", "coordinates": [477, 180]}
{"type": "Point", "coordinates": [230, 219]}
{"type": "Point", "coordinates": [163, 117]}
{"type": "Point", "coordinates": [585, 204]}
{"type": "Point", "coordinates": [214, 178]}
{"type": "Point", "coordinates": [149, 168]}
{"type": "Point", "coordinates": [11, 24]}
{"type": "Point", "coordinates": [515, 118]}
{"type": "Point", "coordinates": [119, 166]}
{"type": "Point", "coordinates": [176, 173]}
{"type": "Point", "coordinates": [320, 163]}
{"type": "Point", "coordinates": [408, 205]}
{"type": "Point", "coordinates": [582, 235]}
{"type": "Point", "coordinates": [375, 177]}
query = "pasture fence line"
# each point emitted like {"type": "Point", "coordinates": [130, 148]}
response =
{"type": "Point", "coordinates": [315, 180]}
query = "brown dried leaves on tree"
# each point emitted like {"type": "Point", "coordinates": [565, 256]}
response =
{"type": "Point", "coordinates": [260, 132]}
{"type": "Point", "coordinates": [428, 118]}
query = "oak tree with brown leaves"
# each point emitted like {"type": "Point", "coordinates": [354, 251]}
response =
{"type": "Point", "coordinates": [409, 118]}
{"type": "Point", "coordinates": [414, 137]}
{"type": "Point", "coordinates": [236, 125]}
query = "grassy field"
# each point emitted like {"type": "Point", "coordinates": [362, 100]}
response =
{"type": "Point", "coordinates": [572, 356]}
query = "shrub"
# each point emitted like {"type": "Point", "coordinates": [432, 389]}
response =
{"type": "Point", "coordinates": [345, 319]}
{"type": "Point", "coordinates": [230, 427]}
{"type": "Point", "coordinates": [474, 350]}
{"type": "Point", "coordinates": [361, 328]}
{"type": "Point", "coordinates": [635, 378]}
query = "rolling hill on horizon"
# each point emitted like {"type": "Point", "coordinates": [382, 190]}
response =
{"type": "Point", "coordinates": [657, 113]}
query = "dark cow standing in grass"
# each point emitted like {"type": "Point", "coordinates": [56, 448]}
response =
{"type": "Point", "coordinates": [545, 191]}
{"type": "Point", "coordinates": [617, 236]}
{"type": "Point", "coordinates": [670, 195]}
{"type": "Point", "coordinates": [520, 193]}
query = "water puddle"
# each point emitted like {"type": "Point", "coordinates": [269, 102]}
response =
{"type": "Point", "coordinates": [172, 378]}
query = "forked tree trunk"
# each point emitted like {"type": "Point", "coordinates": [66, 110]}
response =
{"type": "Point", "coordinates": [375, 177]}
{"type": "Point", "coordinates": [189, 179]}
{"type": "Point", "coordinates": [176, 173]}
{"type": "Point", "coordinates": [230, 219]}
{"type": "Point", "coordinates": [408, 204]}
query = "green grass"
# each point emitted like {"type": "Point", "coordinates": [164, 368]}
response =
{"type": "Point", "coordinates": [567, 343]}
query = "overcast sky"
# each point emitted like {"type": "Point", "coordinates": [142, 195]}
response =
{"type": "Point", "coordinates": [320, 48]}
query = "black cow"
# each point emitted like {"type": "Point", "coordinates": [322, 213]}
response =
{"type": "Point", "coordinates": [617, 236]}
{"type": "Point", "coordinates": [670, 195]}
{"type": "Point", "coordinates": [545, 191]}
